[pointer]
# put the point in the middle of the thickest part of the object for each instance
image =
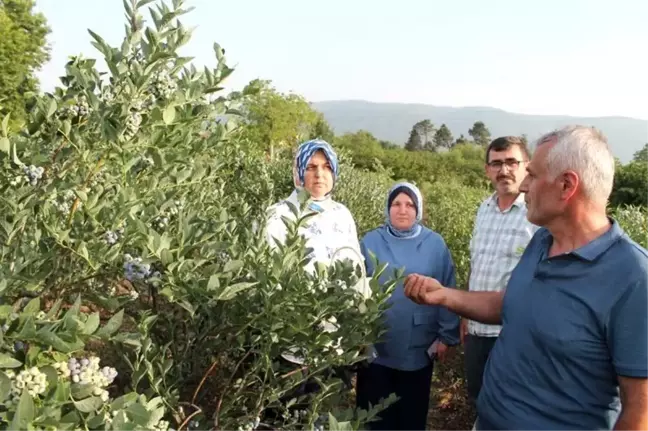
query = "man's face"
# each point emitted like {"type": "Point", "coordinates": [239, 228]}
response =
{"type": "Point", "coordinates": [506, 169]}
{"type": "Point", "coordinates": [318, 176]}
{"type": "Point", "coordinates": [542, 193]}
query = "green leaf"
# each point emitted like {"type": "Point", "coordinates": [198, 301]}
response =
{"type": "Point", "coordinates": [167, 256]}
{"type": "Point", "coordinates": [51, 109]}
{"type": "Point", "coordinates": [333, 423]}
{"type": "Point", "coordinates": [143, 3]}
{"type": "Point", "coordinates": [5, 386]}
{"type": "Point", "coordinates": [5, 125]}
{"type": "Point", "coordinates": [83, 251]}
{"type": "Point", "coordinates": [72, 312]}
{"type": "Point", "coordinates": [49, 338]}
{"type": "Point", "coordinates": [81, 391]}
{"type": "Point", "coordinates": [123, 401]}
{"type": "Point", "coordinates": [213, 283]}
{"type": "Point", "coordinates": [83, 196]}
{"type": "Point", "coordinates": [32, 307]}
{"type": "Point", "coordinates": [92, 323]}
{"type": "Point", "coordinates": [28, 330]}
{"type": "Point", "coordinates": [233, 265]}
{"type": "Point", "coordinates": [52, 375]}
{"type": "Point", "coordinates": [54, 310]}
{"type": "Point", "coordinates": [156, 415]}
{"type": "Point", "coordinates": [138, 414]}
{"type": "Point", "coordinates": [111, 326]}
{"type": "Point", "coordinates": [67, 126]}
{"type": "Point", "coordinates": [62, 393]}
{"type": "Point", "coordinates": [24, 413]}
{"type": "Point", "coordinates": [7, 361]}
{"type": "Point", "coordinates": [169, 114]}
{"type": "Point", "coordinates": [232, 290]}
{"type": "Point", "coordinates": [14, 156]}
{"type": "Point", "coordinates": [88, 405]}
{"type": "Point", "coordinates": [4, 145]}
{"type": "Point", "coordinates": [96, 422]}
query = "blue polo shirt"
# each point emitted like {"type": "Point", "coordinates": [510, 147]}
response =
{"type": "Point", "coordinates": [571, 324]}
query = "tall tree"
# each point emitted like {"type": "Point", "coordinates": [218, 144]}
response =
{"type": "Point", "coordinates": [641, 155]}
{"type": "Point", "coordinates": [414, 143]}
{"type": "Point", "coordinates": [421, 136]}
{"type": "Point", "coordinates": [23, 50]}
{"type": "Point", "coordinates": [461, 140]}
{"type": "Point", "coordinates": [480, 134]}
{"type": "Point", "coordinates": [276, 120]}
{"type": "Point", "coordinates": [524, 139]}
{"type": "Point", "coordinates": [443, 137]}
{"type": "Point", "coordinates": [322, 129]}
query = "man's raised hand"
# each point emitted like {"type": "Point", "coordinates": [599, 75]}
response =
{"type": "Point", "coordinates": [424, 290]}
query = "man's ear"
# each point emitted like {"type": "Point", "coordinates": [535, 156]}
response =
{"type": "Point", "coordinates": [569, 183]}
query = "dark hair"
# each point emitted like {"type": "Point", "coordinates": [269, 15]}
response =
{"type": "Point", "coordinates": [503, 143]}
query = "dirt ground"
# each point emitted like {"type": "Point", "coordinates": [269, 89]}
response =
{"type": "Point", "coordinates": [449, 407]}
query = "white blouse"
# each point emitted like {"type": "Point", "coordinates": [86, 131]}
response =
{"type": "Point", "coordinates": [326, 233]}
{"type": "Point", "coordinates": [332, 235]}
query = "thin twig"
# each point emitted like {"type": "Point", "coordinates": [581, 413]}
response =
{"type": "Point", "coordinates": [186, 421]}
{"type": "Point", "coordinates": [202, 381]}
{"type": "Point", "coordinates": [229, 382]}
{"type": "Point", "coordinates": [293, 372]}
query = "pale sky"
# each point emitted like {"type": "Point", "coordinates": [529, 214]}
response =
{"type": "Point", "coordinates": [570, 57]}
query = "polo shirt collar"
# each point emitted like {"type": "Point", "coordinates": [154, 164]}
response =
{"type": "Point", "coordinates": [595, 248]}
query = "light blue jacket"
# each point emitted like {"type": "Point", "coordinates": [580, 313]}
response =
{"type": "Point", "coordinates": [412, 328]}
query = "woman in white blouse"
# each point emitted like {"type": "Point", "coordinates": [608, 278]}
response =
{"type": "Point", "coordinates": [332, 231]}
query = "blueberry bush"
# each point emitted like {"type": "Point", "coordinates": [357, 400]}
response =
{"type": "Point", "coordinates": [137, 289]}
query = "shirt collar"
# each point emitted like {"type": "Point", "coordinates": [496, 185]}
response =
{"type": "Point", "coordinates": [595, 248]}
{"type": "Point", "coordinates": [518, 202]}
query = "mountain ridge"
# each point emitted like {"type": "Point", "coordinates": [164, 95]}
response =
{"type": "Point", "coordinates": [392, 121]}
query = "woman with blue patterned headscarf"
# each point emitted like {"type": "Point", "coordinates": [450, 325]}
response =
{"type": "Point", "coordinates": [416, 334]}
{"type": "Point", "coordinates": [315, 172]}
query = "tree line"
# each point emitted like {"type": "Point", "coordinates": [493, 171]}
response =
{"type": "Point", "coordinates": [273, 121]}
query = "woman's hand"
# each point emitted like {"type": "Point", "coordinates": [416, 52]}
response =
{"type": "Point", "coordinates": [441, 351]}
{"type": "Point", "coordinates": [463, 330]}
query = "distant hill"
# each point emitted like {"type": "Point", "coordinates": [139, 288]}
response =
{"type": "Point", "coordinates": [393, 122]}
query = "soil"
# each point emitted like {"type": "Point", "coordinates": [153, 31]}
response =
{"type": "Point", "coordinates": [449, 406]}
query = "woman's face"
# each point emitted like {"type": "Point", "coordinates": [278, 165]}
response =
{"type": "Point", "coordinates": [402, 213]}
{"type": "Point", "coordinates": [318, 176]}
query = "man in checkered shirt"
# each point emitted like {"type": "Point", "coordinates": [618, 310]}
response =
{"type": "Point", "coordinates": [501, 233]}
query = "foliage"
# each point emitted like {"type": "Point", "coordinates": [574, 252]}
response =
{"type": "Point", "coordinates": [634, 221]}
{"type": "Point", "coordinates": [277, 120]}
{"type": "Point", "coordinates": [421, 137]}
{"type": "Point", "coordinates": [641, 155]}
{"type": "Point", "coordinates": [322, 129]}
{"type": "Point", "coordinates": [450, 210]}
{"type": "Point", "coordinates": [443, 137]}
{"type": "Point", "coordinates": [462, 140]}
{"type": "Point", "coordinates": [22, 51]}
{"type": "Point", "coordinates": [480, 134]}
{"type": "Point", "coordinates": [140, 192]}
{"type": "Point", "coordinates": [630, 184]}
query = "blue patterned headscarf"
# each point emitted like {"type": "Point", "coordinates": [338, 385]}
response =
{"type": "Point", "coordinates": [416, 196]}
{"type": "Point", "coordinates": [304, 154]}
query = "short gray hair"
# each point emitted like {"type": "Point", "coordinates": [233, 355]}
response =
{"type": "Point", "coordinates": [585, 151]}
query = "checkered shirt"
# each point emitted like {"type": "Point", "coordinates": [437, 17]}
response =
{"type": "Point", "coordinates": [498, 240]}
